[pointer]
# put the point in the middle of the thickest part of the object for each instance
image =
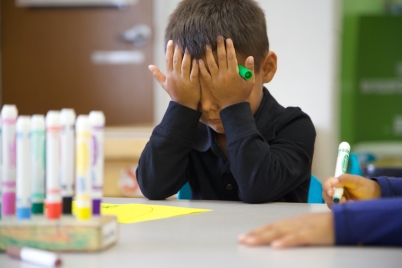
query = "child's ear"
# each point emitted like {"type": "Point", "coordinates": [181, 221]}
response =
{"type": "Point", "coordinates": [268, 67]}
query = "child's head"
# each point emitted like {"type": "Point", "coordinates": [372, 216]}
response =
{"type": "Point", "coordinates": [197, 23]}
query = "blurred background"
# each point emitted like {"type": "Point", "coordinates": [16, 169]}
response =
{"type": "Point", "coordinates": [339, 60]}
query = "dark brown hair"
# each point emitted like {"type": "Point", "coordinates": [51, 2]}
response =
{"type": "Point", "coordinates": [196, 23]}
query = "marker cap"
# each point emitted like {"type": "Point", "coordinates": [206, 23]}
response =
{"type": "Point", "coordinates": [67, 116]}
{"type": "Point", "coordinates": [9, 111]}
{"type": "Point", "coordinates": [96, 206]}
{"type": "Point", "coordinates": [83, 213]}
{"type": "Point", "coordinates": [245, 73]}
{"type": "Point", "coordinates": [37, 208]}
{"type": "Point", "coordinates": [97, 119]}
{"type": "Point", "coordinates": [8, 207]}
{"type": "Point", "coordinates": [53, 210]}
{"type": "Point", "coordinates": [23, 213]}
{"type": "Point", "coordinates": [67, 207]}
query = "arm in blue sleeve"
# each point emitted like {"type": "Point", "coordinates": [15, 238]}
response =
{"type": "Point", "coordinates": [373, 222]}
{"type": "Point", "coordinates": [389, 187]}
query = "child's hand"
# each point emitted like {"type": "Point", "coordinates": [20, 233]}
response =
{"type": "Point", "coordinates": [223, 79]}
{"type": "Point", "coordinates": [355, 188]}
{"type": "Point", "coordinates": [314, 229]}
{"type": "Point", "coordinates": [181, 81]}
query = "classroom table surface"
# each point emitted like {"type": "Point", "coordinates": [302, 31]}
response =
{"type": "Point", "coordinates": [210, 240]}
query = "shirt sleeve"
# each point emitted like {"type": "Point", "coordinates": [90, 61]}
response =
{"type": "Point", "coordinates": [390, 187]}
{"type": "Point", "coordinates": [266, 170]}
{"type": "Point", "coordinates": [166, 153]}
{"type": "Point", "coordinates": [373, 222]}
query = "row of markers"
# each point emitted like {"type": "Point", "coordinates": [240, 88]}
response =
{"type": "Point", "coordinates": [41, 156]}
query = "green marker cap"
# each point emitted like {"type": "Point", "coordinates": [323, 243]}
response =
{"type": "Point", "coordinates": [37, 208]}
{"type": "Point", "coordinates": [245, 73]}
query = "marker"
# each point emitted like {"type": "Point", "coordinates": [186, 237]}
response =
{"type": "Point", "coordinates": [38, 162]}
{"type": "Point", "coordinates": [34, 256]}
{"type": "Point", "coordinates": [23, 168]}
{"type": "Point", "coordinates": [9, 115]}
{"type": "Point", "coordinates": [67, 158]}
{"type": "Point", "coordinates": [245, 73]}
{"type": "Point", "coordinates": [341, 168]}
{"type": "Point", "coordinates": [97, 121]}
{"type": "Point", "coordinates": [53, 194]}
{"type": "Point", "coordinates": [83, 168]}
{"type": "Point", "coordinates": [1, 164]}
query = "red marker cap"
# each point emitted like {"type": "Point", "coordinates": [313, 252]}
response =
{"type": "Point", "coordinates": [53, 210]}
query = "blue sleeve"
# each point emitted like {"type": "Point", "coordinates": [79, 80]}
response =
{"type": "Point", "coordinates": [390, 187]}
{"type": "Point", "coordinates": [373, 222]}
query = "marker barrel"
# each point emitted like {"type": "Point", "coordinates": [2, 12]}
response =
{"type": "Point", "coordinates": [83, 168]}
{"type": "Point", "coordinates": [38, 162]}
{"type": "Point", "coordinates": [97, 121]}
{"type": "Point", "coordinates": [1, 162]}
{"type": "Point", "coordinates": [53, 193]}
{"type": "Point", "coordinates": [34, 256]}
{"type": "Point", "coordinates": [23, 168]}
{"type": "Point", "coordinates": [9, 115]}
{"type": "Point", "coordinates": [67, 158]}
{"type": "Point", "coordinates": [341, 168]}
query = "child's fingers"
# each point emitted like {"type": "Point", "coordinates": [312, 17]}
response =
{"type": "Point", "coordinates": [348, 181]}
{"type": "Point", "coordinates": [203, 71]}
{"type": "Point", "coordinates": [194, 72]}
{"type": "Point", "coordinates": [231, 56]}
{"type": "Point", "coordinates": [186, 64]}
{"type": "Point", "coordinates": [221, 53]}
{"type": "Point", "coordinates": [210, 60]}
{"type": "Point", "coordinates": [262, 235]}
{"type": "Point", "coordinates": [177, 58]}
{"type": "Point", "coordinates": [290, 240]}
{"type": "Point", "coordinates": [169, 56]}
{"type": "Point", "coordinates": [159, 76]}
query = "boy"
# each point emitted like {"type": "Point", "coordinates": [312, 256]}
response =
{"type": "Point", "coordinates": [226, 136]}
{"type": "Point", "coordinates": [377, 220]}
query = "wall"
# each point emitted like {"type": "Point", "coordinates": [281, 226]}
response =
{"type": "Point", "coordinates": [305, 36]}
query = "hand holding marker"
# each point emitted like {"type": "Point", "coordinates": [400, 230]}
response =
{"type": "Point", "coordinates": [341, 168]}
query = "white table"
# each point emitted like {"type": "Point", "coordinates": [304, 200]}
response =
{"type": "Point", "coordinates": [210, 240]}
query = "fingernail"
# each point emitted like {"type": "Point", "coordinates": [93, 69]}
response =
{"type": "Point", "coordinates": [276, 244]}
{"type": "Point", "coordinates": [242, 237]}
{"type": "Point", "coordinates": [220, 39]}
{"type": "Point", "coordinates": [170, 42]}
{"type": "Point", "coordinates": [251, 60]}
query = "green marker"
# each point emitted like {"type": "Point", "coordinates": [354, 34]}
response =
{"type": "Point", "coordinates": [245, 73]}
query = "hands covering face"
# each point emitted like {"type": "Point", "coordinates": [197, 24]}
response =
{"type": "Point", "coordinates": [186, 79]}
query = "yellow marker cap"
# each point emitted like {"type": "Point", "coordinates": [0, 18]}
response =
{"type": "Point", "coordinates": [83, 213]}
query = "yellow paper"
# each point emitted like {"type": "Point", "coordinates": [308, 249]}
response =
{"type": "Point", "coordinates": [130, 213]}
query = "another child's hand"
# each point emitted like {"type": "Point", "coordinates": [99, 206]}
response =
{"type": "Point", "coordinates": [355, 188]}
{"type": "Point", "coordinates": [181, 81]}
{"type": "Point", "coordinates": [223, 79]}
{"type": "Point", "coordinates": [306, 230]}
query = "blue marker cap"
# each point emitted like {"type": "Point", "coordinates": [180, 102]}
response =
{"type": "Point", "coordinates": [23, 213]}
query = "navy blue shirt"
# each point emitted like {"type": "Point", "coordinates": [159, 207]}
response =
{"type": "Point", "coordinates": [373, 222]}
{"type": "Point", "coordinates": [269, 154]}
